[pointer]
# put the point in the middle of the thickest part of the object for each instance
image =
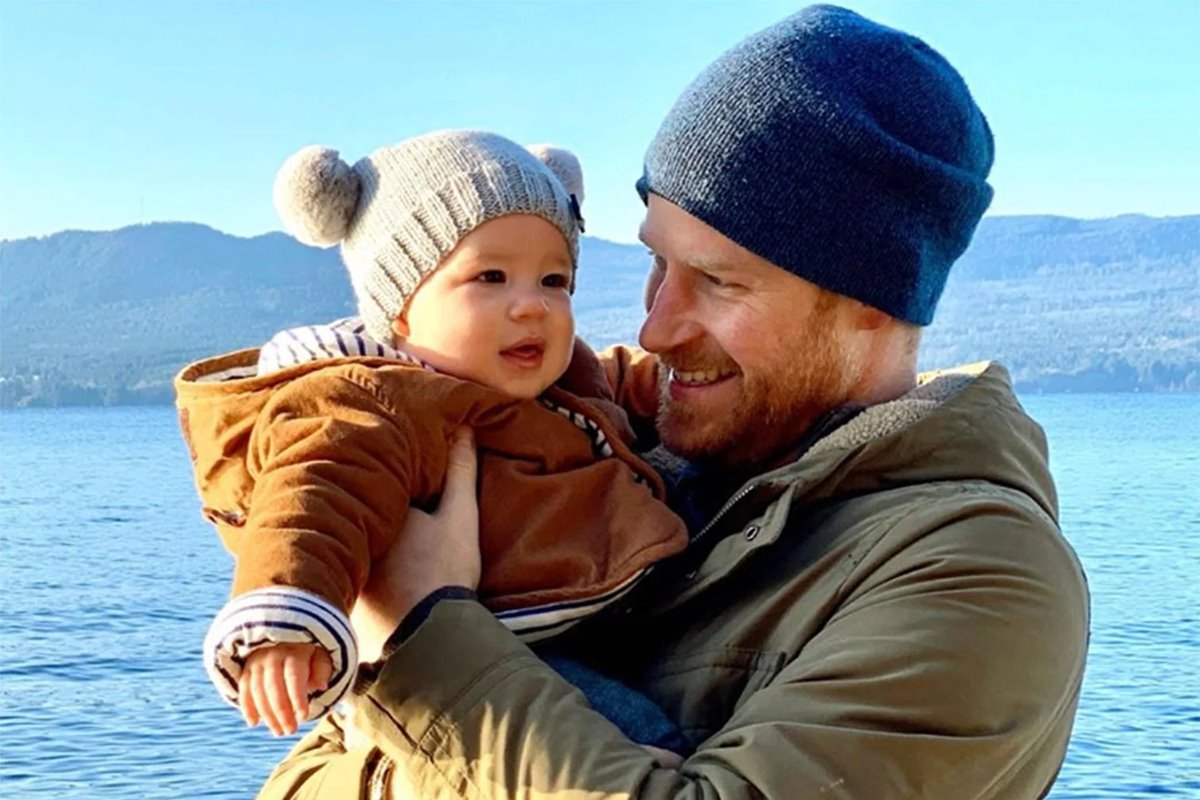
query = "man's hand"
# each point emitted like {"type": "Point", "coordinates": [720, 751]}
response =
{"type": "Point", "coordinates": [276, 682]}
{"type": "Point", "coordinates": [433, 551]}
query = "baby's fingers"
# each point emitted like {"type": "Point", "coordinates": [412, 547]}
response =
{"type": "Point", "coordinates": [295, 679]}
{"type": "Point", "coordinates": [278, 700]}
{"type": "Point", "coordinates": [320, 671]}
{"type": "Point", "coordinates": [246, 700]}
{"type": "Point", "coordinates": [262, 701]}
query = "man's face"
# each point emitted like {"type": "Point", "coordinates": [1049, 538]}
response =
{"type": "Point", "coordinates": [754, 354]}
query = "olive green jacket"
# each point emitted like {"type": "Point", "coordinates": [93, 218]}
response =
{"type": "Point", "coordinates": [894, 615]}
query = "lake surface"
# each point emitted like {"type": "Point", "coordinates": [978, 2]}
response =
{"type": "Point", "coordinates": [109, 578]}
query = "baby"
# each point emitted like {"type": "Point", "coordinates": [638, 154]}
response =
{"type": "Point", "coordinates": [461, 248]}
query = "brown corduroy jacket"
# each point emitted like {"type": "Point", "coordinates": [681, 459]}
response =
{"type": "Point", "coordinates": [308, 473]}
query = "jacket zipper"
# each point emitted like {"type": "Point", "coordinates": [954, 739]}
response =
{"type": "Point", "coordinates": [728, 505]}
{"type": "Point", "coordinates": [835, 420]}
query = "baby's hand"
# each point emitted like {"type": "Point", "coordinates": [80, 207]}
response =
{"type": "Point", "coordinates": [276, 682]}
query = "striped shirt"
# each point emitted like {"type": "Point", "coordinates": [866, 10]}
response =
{"type": "Point", "coordinates": [339, 339]}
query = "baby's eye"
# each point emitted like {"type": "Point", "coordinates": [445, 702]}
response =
{"type": "Point", "coordinates": [491, 276]}
{"type": "Point", "coordinates": [556, 281]}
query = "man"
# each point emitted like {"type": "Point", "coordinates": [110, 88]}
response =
{"type": "Point", "coordinates": [877, 601]}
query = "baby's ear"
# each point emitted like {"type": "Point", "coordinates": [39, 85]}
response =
{"type": "Point", "coordinates": [400, 329]}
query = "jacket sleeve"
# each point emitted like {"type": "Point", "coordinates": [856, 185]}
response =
{"type": "Point", "coordinates": [320, 766]}
{"type": "Point", "coordinates": [334, 467]}
{"type": "Point", "coordinates": [633, 377]}
{"type": "Point", "coordinates": [332, 464]}
{"type": "Point", "coordinates": [949, 669]}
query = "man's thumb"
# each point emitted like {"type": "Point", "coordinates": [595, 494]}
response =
{"type": "Point", "coordinates": [462, 464]}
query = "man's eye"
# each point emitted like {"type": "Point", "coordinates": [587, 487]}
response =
{"type": "Point", "coordinates": [556, 281]}
{"type": "Point", "coordinates": [491, 276]}
{"type": "Point", "coordinates": [713, 279]}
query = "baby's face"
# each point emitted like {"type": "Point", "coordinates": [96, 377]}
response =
{"type": "Point", "coordinates": [498, 309]}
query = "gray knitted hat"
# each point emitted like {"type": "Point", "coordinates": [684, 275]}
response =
{"type": "Point", "coordinates": [401, 210]}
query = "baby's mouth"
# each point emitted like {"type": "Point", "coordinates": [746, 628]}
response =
{"type": "Point", "coordinates": [525, 353]}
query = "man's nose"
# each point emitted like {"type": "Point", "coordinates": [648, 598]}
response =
{"type": "Point", "coordinates": [670, 310]}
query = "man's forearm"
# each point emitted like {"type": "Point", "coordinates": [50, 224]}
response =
{"type": "Point", "coordinates": [470, 711]}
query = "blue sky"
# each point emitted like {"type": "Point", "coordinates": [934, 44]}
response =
{"type": "Point", "coordinates": [122, 112]}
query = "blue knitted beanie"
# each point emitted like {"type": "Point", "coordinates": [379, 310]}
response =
{"type": "Point", "coordinates": [843, 151]}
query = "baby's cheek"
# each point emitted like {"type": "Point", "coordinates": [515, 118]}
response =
{"type": "Point", "coordinates": [565, 349]}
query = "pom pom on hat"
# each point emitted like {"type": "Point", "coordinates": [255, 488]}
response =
{"type": "Point", "coordinates": [316, 194]}
{"type": "Point", "coordinates": [566, 168]}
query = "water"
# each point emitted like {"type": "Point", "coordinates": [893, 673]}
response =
{"type": "Point", "coordinates": [109, 576]}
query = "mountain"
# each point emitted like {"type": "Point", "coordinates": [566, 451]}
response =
{"type": "Point", "coordinates": [1077, 305]}
{"type": "Point", "coordinates": [109, 317]}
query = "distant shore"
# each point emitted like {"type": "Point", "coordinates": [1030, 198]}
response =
{"type": "Point", "coordinates": [93, 397]}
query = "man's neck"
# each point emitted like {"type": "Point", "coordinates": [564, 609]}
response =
{"type": "Point", "coordinates": [826, 424]}
{"type": "Point", "coordinates": [890, 372]}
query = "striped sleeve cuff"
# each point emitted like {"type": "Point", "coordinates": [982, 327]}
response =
{"type": "Point", "coordinates": [338, 339]}
{"type": "Point", "coordinates": [280, 615]}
